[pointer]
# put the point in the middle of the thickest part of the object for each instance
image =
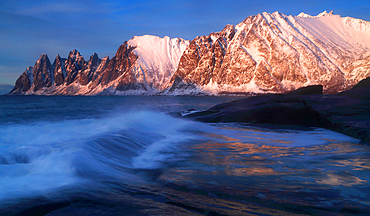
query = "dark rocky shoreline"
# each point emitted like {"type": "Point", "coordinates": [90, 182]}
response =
{"type": "Point", "coordinates": [347, 112]}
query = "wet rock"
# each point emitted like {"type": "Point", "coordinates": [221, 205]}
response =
{"type": "Point", "coordinates": [315, 89]}
{"type": "Point", "coordinates": [265, 109]}
{"type": "Point", "coordinates": [359, 91]}
{"type": "Point", "coordinates": [347, 112]}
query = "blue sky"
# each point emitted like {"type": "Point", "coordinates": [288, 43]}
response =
{"type": "Point", "coordinates": [31, 28]}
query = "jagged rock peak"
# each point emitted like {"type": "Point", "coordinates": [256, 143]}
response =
{"type": "Point", "coordinates": [94, 60]}
{"type": "Point", "coordinates": [76, 56]}
{"type": "Point", "coordinates": [57, 60]}
{"type": "Point", "coordinates": [43, 57]}
{"type": "Point", "coordinates": [59, 70]}
{"type": "Point", "coordinates": [42, 73]}
{"type": "Point", "coordinates": [24, 82]}
{"type": "Point", "coordinates": [74, 53]}
{"type": "Point", "coordinates": [124, 49]}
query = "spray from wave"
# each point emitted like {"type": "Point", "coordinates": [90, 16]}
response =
{"type": "Point", "coordinates": [41, 157]}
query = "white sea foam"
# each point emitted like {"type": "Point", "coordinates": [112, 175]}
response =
{"type": "Point", "coordinates": [44, 156]}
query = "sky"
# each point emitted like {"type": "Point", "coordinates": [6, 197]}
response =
{"type": "Point", "coordinates": [31, 28]}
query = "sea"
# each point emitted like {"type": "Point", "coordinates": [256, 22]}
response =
{"type": "Point", "coordinates": [126, 155]}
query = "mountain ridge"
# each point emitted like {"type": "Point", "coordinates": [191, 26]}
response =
{"type": "Point", "coordinates": [265, 53]}
{"type": "Point", "coordinates": [276, 53]}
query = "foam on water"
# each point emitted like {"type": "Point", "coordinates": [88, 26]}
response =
{"type": "Point", "coordinates": [62, 148]}
{"type": "Point", "coordinates": [40, 157]}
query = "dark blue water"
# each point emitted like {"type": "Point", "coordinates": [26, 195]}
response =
{"type": "Point", "coordinates": [125, 155]}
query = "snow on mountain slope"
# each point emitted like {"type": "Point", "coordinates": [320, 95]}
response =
{"type": "Point", "coordinates": [352, 34]}
{"type": "Point", "coordinates": [277, 53]}
{"type": "Point", "coordinates": [265, 53]}
{"type": "Point", "coordinates": [158, 58]}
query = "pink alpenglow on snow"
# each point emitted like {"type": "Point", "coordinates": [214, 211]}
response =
{"type": "Point", "coordinates": [265, 53]}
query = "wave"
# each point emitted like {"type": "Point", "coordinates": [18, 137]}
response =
{"type": "Point", "coordinates": [37, 158]}
{"type": "Point", "coordinates": [44, 157]}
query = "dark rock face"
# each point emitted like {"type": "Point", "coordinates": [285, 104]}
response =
{"type": "Point", "coordinates": [179, 84]}
{"type": "Point", "coordinates": [24, 82]}
{"type": "Point", "coordinates": [59, 71]}
{"type": "Point", "coordinates": [75, 69]}
{"type": "Point", "coordinates": [316, 89]}
{"type": "Point", "coordinates": [203, 58]}
{"type": "Point", "coordinates": [117, 69]}
{"type": "Point", "coordinates": [120, 64]}
{"type": "Point", "coordinates": [42, 73]}
{"type": "Point", "coordinates": [74, 64]}
{"type": "Point", "coordinates": [96, 77]}
{"type": "Point", "coordinates": [359, 91]}
{"type": "Point", "coordinates": [265, 109]}
{"type": "Point", "coordinates": [87, 72]}
{"type": "Point", "coordinates": [63, 71]}
{"type": "Point", "coordinates": [347, 112]}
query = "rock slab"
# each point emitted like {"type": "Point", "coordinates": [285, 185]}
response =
{"type": "Point", "coordinates": [347, 112]}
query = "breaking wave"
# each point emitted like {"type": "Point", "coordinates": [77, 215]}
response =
{"type": "Point", "coordinates": [41, 157]}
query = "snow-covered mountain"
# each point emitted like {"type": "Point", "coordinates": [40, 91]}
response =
{"type": "Point", "coordinates": [277, 53]}
{"type": "Point", "coordinates": [141, 66]}
{"type": "Point", "coordinates": [266, 53]}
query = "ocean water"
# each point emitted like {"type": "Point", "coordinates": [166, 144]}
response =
{"type": "Point", "coordinates": [127, 156]}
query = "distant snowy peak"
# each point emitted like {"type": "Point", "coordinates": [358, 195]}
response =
{"type": "Point", "coordinates": [304, 15]}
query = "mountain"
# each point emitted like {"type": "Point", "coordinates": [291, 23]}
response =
{"type": "Point", "coordinates": [273, 53]}
{"type": "Point", "coordinates": [141, 65]}
{"type": "Point", "coordinates": [265, 53]}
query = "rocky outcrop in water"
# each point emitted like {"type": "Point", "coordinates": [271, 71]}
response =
{"type": "Point", "coordinates": [347, 112]}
